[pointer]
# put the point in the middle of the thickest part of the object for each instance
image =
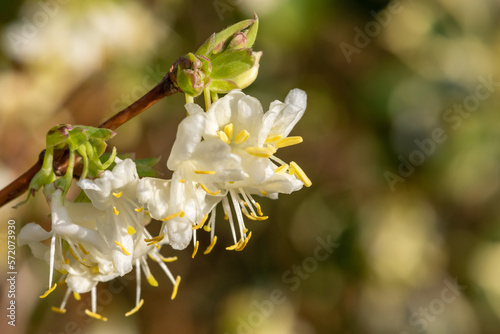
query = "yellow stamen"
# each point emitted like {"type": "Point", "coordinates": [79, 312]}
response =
{"type": "Point", "coordinates": [130, 230]}
{"type": "Point", "coordinates": [229, 130]}
{"type": "Point", "coordinates": [195, 248]}
{"type": "Point", "coordinates": [122, 247]}
{"type": "Point", "coordinates": [291, 171]}
{"type": "Point", "coordinates": [95, 269]}
{"type": "Point", "coordinates": [207, 228]}
{"type": "Point", "coordinates": [83, 249]}
{"type": "Point", "coordinates": [135, 309]}
{"type": "Point", "coordinates": [208, 191]}
{"type": "Point", "coordinates": [261, 152]}
{"type": "Point", "coordinates": [289, 141]}
{"type": "Point", "coordinates": [233, 247]}
{"type": "Point", "coordinates": [263, 192]}
{"type": "Point", "coordinates": [273, 138]}
{"type": "Point", "coordinates": [244, 242]}
{"type": "Point", "coordinates": [73, 254]}
{"type": "Point", "coordinates": [77, 296]}
{"type": "Point", "coordinates": [173, 216]}
{"type": "Point", "coordinates": [151, 280]}
{"type": "Point", "coordinates": [226, 217]}
{"type": "Point", "coordinates": [222, 135]}
{"type": "Point", "coordinates": [176, 287]}
{"type": "Point", "coordinates": [118, 195]}
{"type": "Point", "coordinates": [300, 174]}
{"type": "Point", "coordinates": [259, 209]}
{"type": "Point", "coordinates": [115, 211]}
{"type": "Point", "coordinates": [281, 169]}
{"type": "Point", "coordinates": [58, 310]}
{"type": "Point", "coordinates": [259, 218]}
{"type": "Point", "coordinates": [241, 137]}
{"type": "Point", "coordinates": [66, 261]}
{"type": "Point", "coordinates": [154, 240]}
{"type": "Point", "coordinates": [49, 291]}
{"type": "Point", "coordinates": [182, 180]}
{"type": "Point", "coordinates": [168, 259]}
{"type": "Point", "coordinates": [210, 172]}
{"type": "Point", "coordinates": [95, 315]}
{"type": "Point", "coordinates": [201, 223]}
{"type": "Point", "coordinates": [139, 209]}
{"type": "Point", "coordinates": [250, 216]}
{"type": "Point", "coordinates": [211, 246]}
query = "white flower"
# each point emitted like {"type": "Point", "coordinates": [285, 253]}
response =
{"type": "Point", "coordinates": [76, 247]}
{"type": "Point", "coordinates": [114, 192]}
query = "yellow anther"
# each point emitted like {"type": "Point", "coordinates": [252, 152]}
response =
{"type": "Point", "coordinates": [209, 172]}
{"type": "Point", "coordinates": [222, 135]}
{"type": "Point", "coordinates": [95, 315]}
{"type": "Point", "coordinates": [122, 247]}
{"type": "Point", "coordinates": [176, 287]}
{"type": "Point", "coordinates": [182, 214]}
{"type": "Point", "coordinates": [233, 247]}
{"type": "Point", "coordinates": [281, 169]}
{"type": "Point", "coordinates": [213, 193]}
{"type": "Point", "coordinates": [289, 141]}
{"type": "Point", "coordinates": [229, 130]}
{"type": "Point", "coordinates": [130, 230]}
{"type": "Point", "coordinates": [241, 137]}
{"type": "Point", "coordinates": [139, 209]}
{"type": "Point", "coordinates": [259, 209]}
{"type": "Point", "coordinates": [66, 261]}
{"type": "Point", "coordinates": [211, 246]}
{"type": "Point", "coordinates": [201, 223]}
{"type": "Point", "coordinates": [73, 254]}
{"type": "Point", "coordinates": [118, 195]}
{"type": "Point", "coordinates": [83, 249]}
{"type": "Point", "coordinates": [244, 242]}
{"type": "Point", "coordinates": [207, 228]}
{"type": "Point", "coordinates": [261, 152]}
{"type": "Point", "coordinates": [77, 296]}
{"type": "Point", "coordinates": [135, 309]}
{"type": "Point", "coordinates": [195, 250]}
{"type": "Point", "coordinates": [172, 216]}
{"type": "Point", "coordinates": [291, 171]}
{"type": "Point", "coordinates": [154, 240]}
{"type": "Point", "coordinates": [49, 291]}
{"type": "Point", "coordinates": [226, 217]}
{"type": "Point", "coordinates": [168, 259]}
{"type": "Point", "coordinates": [95, 269]}
{"type": "Point", "coordinates": [115, 211]}
{"type": "Point", "coordinates": [151, 280]}
{"type": "Point", "coordinates": [300, 174]}
{"type": "Point", "coordinates": [58, 310]}
{"type": "Point", "coordinates": [263, 192]}
{"type": "Point", "coordinates": [182, 180]}
{"type": "Point", "coordinates": [273, 138]}
{"type": "Point", "coordinates": [250, 216]}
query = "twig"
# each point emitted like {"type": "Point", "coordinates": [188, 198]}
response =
{"type": "Point", "coordinates": [165, 88]}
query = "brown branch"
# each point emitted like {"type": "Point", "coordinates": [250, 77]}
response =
{"type": "Point", "coordinates": [165, 88]}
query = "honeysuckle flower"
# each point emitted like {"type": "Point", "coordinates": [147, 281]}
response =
{"type": "Point", "coordinates": [76, 248]}
{"type": "Point", "coordinates": [114, 192]}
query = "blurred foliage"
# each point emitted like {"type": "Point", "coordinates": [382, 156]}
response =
{"type": "Point", "coordinates": [397, 250]}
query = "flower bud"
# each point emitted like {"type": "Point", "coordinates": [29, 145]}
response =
{"type": "Point", "coordinates": [193, 74]}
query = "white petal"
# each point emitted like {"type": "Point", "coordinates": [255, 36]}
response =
{"type": "Point", "coordinates": [189, 135]}
{"type": "Point", "coordinates": [290, 112]}
{"type": "Point", "coordinates": [154, 194]}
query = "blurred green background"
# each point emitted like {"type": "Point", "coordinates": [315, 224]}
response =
{"type": "Point", "coordinates": [401, 142]}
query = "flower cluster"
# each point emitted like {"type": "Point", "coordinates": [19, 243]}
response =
{"type": "Point", "coordinates": [225, 155]}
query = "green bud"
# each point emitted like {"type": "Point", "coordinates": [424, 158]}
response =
{"type": "Point", "coordinates": [193, 74]}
